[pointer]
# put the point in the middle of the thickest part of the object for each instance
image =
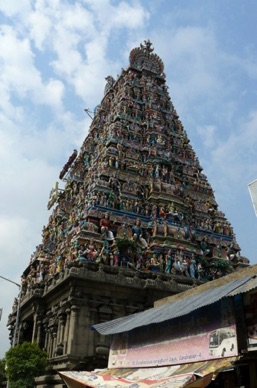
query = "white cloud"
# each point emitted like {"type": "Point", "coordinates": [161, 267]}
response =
{"type": "Point", "coordinates": [20, 77]}
{"type": "Point", "coordinates": [10, 228]}
{"type": "Point", "coordinates": [121, 15]}
{"type": "Point", "coordinates": [195, 56]}
{"type": "Point", "coordinates": [18, 71]}
{"type": "Point", "coordinates": [14, 8]}
{"type": "Point", "coordinates": [40, 27]}
{"type": "Point", "coordinates": [230, 159]}
{"type": "Point", "coordinates": [239, 149]}
{"type": "Point", "coordinates": [54, 91]}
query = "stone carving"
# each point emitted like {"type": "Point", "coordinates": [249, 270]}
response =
{"type": "Point", "coordinates": [136, 171]}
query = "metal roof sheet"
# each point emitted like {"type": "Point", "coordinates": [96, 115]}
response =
{"type": "Point", "coordinates": [248, 286]}
{"type": "Point", "coordinates": [174, 309]}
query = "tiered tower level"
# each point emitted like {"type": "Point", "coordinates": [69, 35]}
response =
{"type": "Point", "coordinates": [136, 221]}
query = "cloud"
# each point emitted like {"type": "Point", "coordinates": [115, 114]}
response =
{"type": "Point", "coordinates": [239, 150]}
{"type": "Point", "coordinates": [12, 239]}
{"type": "Point", "coordinates": [85, 69]}
{"type": "Point", "coordinates": [18, 71]}
{"type": "Point", "coordinates": [122, 15]}
{"type": "Point", "coordinates": [14, 8]}
{"type": "Point", "coordinates": [54, 91]}
{"type": "Point", "coordinates": [20, 79]}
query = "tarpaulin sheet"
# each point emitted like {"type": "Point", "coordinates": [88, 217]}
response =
{"type": "Point", "coordinates": [194, 375]}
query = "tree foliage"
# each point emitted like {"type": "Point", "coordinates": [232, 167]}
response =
{"type": "Point", "coordinates": [2, 370]}
{"type": "Point", "coordinates": [25, 362]}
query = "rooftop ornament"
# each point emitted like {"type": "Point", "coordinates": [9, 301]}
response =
{"type": "Point", "coordinates": [143, 57]}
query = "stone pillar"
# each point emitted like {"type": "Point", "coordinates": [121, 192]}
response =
{"type": "Point", "coordinates": [34, 332]}
{"type": "Point", "coordinates": [71, 345]}
{"type": "Point", "coordinates": [58, 331]}
{"type": "Point", "coordinates": [45, 325]}
{"type": "Point", "coordinates": [61, 327]}
{"type": "Point", "coordinates": [54, 340]}
{"type": "Point", "coordinates": [52, 333]}
{"type": "Point", "coordinates": [39, 332]}
{"type": "Point", "coordinates": [50, 343]}
{"type": "Point", "coordinates": [66, 331]}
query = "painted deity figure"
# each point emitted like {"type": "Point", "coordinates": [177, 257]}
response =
{"type": "Point", "coordinates": [168, 261]}
{"type": "Point", "coordinates": [156, 171]}
{"type": "Point", "coordinates": [192, 267]}
{"type": "Point", "coordinates": [91, 251]}
{"type": "Point", "coordinates": [154, 265]}
{"type": "Point", "coordinates": [105, 225]}
{"type": "Point", "coordinates": [137, 234]}
{"type": "Point", "coordinates": [137, 229]}
{"type": "Point", "coordinates": [205, 246]}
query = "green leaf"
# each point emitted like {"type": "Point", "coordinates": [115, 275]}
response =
{"type": "Point", "coordinates": [25, 362]}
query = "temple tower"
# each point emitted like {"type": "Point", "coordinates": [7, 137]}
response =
{"type": "Point", "coordinates": [136, 221]}
{"type": "Point", "coordinates": [138, 171]}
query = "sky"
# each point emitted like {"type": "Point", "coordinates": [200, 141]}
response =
{"type": "Point", "coordinates": [54, 57]}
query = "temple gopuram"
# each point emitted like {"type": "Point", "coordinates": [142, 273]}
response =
{"type": "Point", "coordinates": [136, 221]}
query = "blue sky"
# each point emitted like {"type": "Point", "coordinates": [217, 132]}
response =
{"type": "Point", "coordinates": [54, 57]}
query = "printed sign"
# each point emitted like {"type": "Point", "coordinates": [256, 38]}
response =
{"type": "Point", "coordinates": [208, 333]}
{"type": "Point", "coordinates": [250, 301]}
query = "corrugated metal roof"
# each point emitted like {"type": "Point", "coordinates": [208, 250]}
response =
{"type": "Point", "coordinates": [181, 306]}
{"type": "Point", "coordinates": [248, 286]}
